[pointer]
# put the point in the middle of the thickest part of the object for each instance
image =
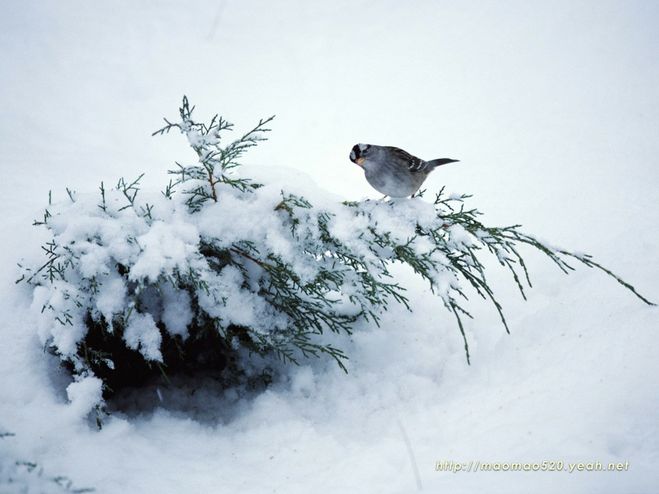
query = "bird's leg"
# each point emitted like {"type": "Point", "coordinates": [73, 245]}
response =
{"type": "Point", "coordinates": [384, 197]}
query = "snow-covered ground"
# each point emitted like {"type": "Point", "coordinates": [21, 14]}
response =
{"type": "Point", "coordinates": [553, 110]}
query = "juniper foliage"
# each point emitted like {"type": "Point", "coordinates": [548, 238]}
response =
{"type": "Point", "coordinates": [217, 275]}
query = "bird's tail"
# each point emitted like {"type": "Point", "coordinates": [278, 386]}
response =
{"type": "Point", "coordinates": [439, 162]}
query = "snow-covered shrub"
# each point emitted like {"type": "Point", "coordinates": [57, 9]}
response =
{"type": "Point", "coordinates": [224, 274]}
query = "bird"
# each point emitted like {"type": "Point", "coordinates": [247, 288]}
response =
{"type": "Point", "coordinates": [392, 171]}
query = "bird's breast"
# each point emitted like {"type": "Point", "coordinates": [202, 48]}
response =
{"type": "Point", "coordinates": [391, 185]}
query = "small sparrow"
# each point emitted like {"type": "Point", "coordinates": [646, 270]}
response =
{"type": "Point", "coordinates": [392, 171]}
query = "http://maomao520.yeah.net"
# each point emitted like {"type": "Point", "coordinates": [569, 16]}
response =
{"type": "Point", "coordinates": [531, 466]}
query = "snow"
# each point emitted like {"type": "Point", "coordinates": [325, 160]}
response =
{"type": "Point", "coordinates": [65, 337]}
{"type": "Point", "coordinates": [235, 305]}
{"type": "Point", "coordinates": [163, 248]}
{"type": "Point", "coordinates": [551, 111]}
{"type": "Point", "coordinates": [84, 395]}
{"type": "Point", "coordinates": [142, 333]}
{"type": "Point", "coordinates": [458, 235]}
{"type": "Point", "coordinates": [111, 298]}
{"type": "Point", "coordinates": [177, 313]}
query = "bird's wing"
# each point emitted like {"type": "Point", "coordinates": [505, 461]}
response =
{"type": "Point", "coordinates": [413, 163]}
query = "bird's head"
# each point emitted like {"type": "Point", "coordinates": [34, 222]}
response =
{"type": "Point", "coordinates": [359, 153]}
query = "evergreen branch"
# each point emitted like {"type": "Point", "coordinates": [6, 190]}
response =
{"type": "Point", "coordinates": [585, 259]}
{"type": "Point", "coordinates": [454, 309]}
